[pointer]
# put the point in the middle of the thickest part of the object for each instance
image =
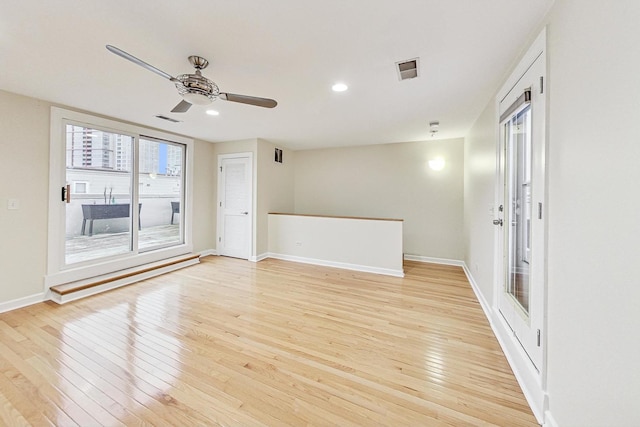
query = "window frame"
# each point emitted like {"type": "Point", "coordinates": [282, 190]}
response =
{"type": "Point", "coordinates": [86, 187]}
{"type": "Point", "coordinates": [57, 271]}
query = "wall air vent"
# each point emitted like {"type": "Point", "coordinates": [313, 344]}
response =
{"type": "Point", "coordinates": [169, 119]}
{"type": "Point", "coordinates": [408, 69]}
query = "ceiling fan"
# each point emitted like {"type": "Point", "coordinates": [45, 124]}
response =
{"type": "Point", "coordinates": [195, 88]}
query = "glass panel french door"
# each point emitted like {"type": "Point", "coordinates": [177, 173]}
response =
{"type": "Point", "coordinates": [161, 184]}
{"type": "Point", "coordinates": [521, 189]}
{"type": "Point", "coordinates": [98, 213]}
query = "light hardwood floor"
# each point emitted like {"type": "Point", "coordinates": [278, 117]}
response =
{"type": "Point", "coordinates": [233, 343]}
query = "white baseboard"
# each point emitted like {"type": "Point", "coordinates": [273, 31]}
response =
{"type": "Point", "coordinates": [22, 302]}
{"type": "Point", "coordinates": [443, 261]}
{"type": "Point", "coordinates": [549, 421]}
{"type": "Point", "coordinates": [208, 252]}
{"type": "Point", "coordinates": [527, 376]}
{"type": "Point", "coordinates": [259, 257]}
{"type": "Point", "coordinates": [476, 290]}
{"type": "Point", "coordinates": [345, 266]}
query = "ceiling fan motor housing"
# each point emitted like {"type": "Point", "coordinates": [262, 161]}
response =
{"type": "Point", "coordinates": [196, 89]}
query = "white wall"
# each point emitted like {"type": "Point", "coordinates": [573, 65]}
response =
{"type": "Point", "coordinates": [390, 181]}
{"type": "Point", "coordinates": [594, 228]}
{"type": "Point", "coordinates": [24, 175]}
{"type": "Point", "coordinates": [594, 213]}
{"type": "Point", "coordinates": [204, 196]}
{"type": "Point", "coordinates": [479, 195]}
{"type": "Point", "coordinates": [275, 190]}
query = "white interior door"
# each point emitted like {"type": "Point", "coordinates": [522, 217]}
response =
{"type": "Point", "coordinates": [520, 196]}
{"type": "Point", "coordinates": [235, 211]}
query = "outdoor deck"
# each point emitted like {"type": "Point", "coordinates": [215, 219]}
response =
{"type": "Point", "coordinates": [82, 248]}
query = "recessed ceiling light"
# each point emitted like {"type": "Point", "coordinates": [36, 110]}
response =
{"type": "Point", "coordinates": [339, 87]}
{"type": "Point", "coordinates": [213, 113]}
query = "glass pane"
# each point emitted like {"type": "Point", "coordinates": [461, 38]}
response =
{"type": "Point", "coordinates": [98, 171]}
{"type": "Point", "coordinates": [519, 207]}
{"type": "Point", "coordinates": [161, 187]}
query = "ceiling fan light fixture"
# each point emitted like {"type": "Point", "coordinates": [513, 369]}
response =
{"type": "Point", "coordinates": [197, 98]}
{"type": "Point", "coordinates": [196, 89]}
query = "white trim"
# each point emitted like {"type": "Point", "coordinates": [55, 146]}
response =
{"type": "Point", "coordinates": [532, 382]}
{"type": "Point", "coordinates": [476, 290]}
{"type": "Point", "coordinates": [259, 257]}
{"type": "Point", "coordinates": [22, 302]}
{"type": "Point", "coordinates": [343, 265]}
{"type": "Point", "coordinates": [527, 376]}
{"type": "Point", "coordinates": [61, 299]}
{"type": "Point", "coordinates": [537, 47]}
{"type": "Point", "coordinates": [443, 261]}
{"type": "Point", "coordinates": [549, 421]}
{"type": "Point", "coordinates": [523, 369]}
{"type": "Point", "coordinates": [208, 252]}
{"type": "Point", "coordinates": [252, 199]}
{"type": "Point", "coordinates": [115, 265]}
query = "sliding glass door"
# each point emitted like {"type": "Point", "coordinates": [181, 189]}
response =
{"type": "Point", "coordinates": [124, 194]}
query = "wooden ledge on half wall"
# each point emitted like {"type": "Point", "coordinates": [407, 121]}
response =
{"type": "Point", "coordinates": [337, 216]}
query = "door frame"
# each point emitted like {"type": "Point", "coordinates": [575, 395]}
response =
{"type": "Point", "coordinates": [252, 201]}
{"type": "Point", "coordinates": [524, 322]}
{"type": "Point", "coordinates": [531, 380]}
{"type": "Point", "coordinates": [57, 273]}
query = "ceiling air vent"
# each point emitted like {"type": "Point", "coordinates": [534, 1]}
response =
{"type": "Point", "coordinates": [408, 69]}
{"type": "Point", "coordinates": [169, 119]}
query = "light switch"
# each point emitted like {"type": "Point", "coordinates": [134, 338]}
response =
{"type": "Point", "coordinates": [13, 204]}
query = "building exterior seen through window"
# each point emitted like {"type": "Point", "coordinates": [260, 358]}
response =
{"type": "Point", "coordinates": [100, 167]}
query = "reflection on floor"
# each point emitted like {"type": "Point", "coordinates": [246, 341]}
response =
{"type": "Point", "coordinates": [82, 248]}
{"type": "Point", "coordinates": [229, 342]}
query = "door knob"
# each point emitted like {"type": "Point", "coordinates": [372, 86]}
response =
{"type": "Point", "coordinates": [497, 222]}
{"type": "Point", "coordinates": [245, 213]}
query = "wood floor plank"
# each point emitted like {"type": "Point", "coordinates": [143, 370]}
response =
{"type": "Point", "coordinates": [9, 415]}
{"type": "Point", "coordinates": [149, 382]}
{"type": "Point", "coordinates": [102, 393]}
{"type": "Point", "coordinates": [233, 343]}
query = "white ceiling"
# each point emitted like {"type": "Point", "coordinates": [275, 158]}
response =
{"type": "Point", "coordinates": [289, 50]}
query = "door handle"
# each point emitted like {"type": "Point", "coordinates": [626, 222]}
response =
{"type": "Point", "coordinates": [66, 193]}
{"type": "Point", "coordinates": [497, 222]}
{"type": "Point", "coordinates": [245, 213]}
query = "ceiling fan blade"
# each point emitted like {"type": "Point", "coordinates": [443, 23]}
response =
{"type": "Point", "coordinates": [140, 62]}
{"type": "Point", "coordinates": [251, 100]}
{"type": "Point", "coordinates": [182, 107]}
